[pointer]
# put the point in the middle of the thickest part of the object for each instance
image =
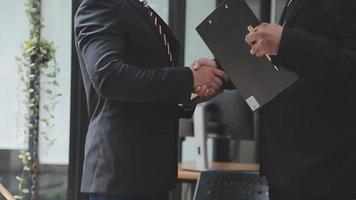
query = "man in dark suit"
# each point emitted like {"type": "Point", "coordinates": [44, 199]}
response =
{"type": "Point", "coordinates": [309, 131]}
{"type": "Point", "coordinates": [136, 94]}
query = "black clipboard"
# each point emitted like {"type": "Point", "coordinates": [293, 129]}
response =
{"type": "Point", "coordinates": [224, 32]}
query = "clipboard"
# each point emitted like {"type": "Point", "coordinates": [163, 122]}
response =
{"type": "Point", "coordinates": [224, 33]}
{"type": "Point", "coordinates": [5, 193]}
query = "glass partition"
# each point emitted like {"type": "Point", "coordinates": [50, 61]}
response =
{"type": "Point", "coordinates": [161, 7]}
{"type": "Point", "coordinates": [280, 5]}
{"type": "Point", "coordinates": [54, 158]}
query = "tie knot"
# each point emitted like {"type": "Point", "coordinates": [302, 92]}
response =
{"type": "Point", "coordinates": [144, 3]}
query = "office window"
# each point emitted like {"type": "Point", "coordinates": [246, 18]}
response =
{"type": "Point", "coordinates": [161, 7]}
{"type": "Point", "coordinates": [255, 5]}
{"type": "Point", "coordinates": [280, 5]}
{"type": "Point", "coordinates": [14, 30]}
{"type": "Point", "coordinates": [196, 12]}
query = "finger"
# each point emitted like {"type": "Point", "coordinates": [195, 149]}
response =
{"type": "Point", "coordinates": [212, 92]}
{"type": "Point", "coordinates": [252, 52]}
{"type": "Point", "coordinates": [221, 74]}
{"type": "Point", "coordinates": [195, 66]}
{"type": "Point", "coordinates": [260, 54]}
{"type": "Point", "coordinates": [214, 85]}
{"type": "Point", "coordinates": [204, 88]}
{"type": "Point", "coordinates": [207, 92]}
{"type": "Point", "coordinates": [258, 27]}
{"type": "Point", "coordinates": [206, 62]}
{"type": "Point", "coordinates": [198, 90]}
{"type": "Point", "coordinates": [251, 38]}
{"type": "Point", "coordinates": [203, 91]}
{"type": "Point", "coordinates": [261, 27]}
{"type": "Point", "coordinates": [249, 41]}
{"type": "Point", "coordinates": [218, 82]}
{"type": "Point", "coordinates": [200, 94]}
{"type": "Point", "coordinates": [256, 49]}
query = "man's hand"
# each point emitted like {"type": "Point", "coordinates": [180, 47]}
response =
{"type": "Point", "coordinates": [204, 62]}
{"type": "Point", "coordinates": [203, 90]}
{"type": "Point", "coordinates": [265, 40]}
{"type": "Point", "coordinates": [208, 79]}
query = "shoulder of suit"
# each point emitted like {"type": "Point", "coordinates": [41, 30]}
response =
{"type": "Point", "coordinates": [106, 2]}
{"type": "Point", "coordinates": [87, 8]}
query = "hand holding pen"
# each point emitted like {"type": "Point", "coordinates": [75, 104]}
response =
{"type": "Point", "coordinates": [264, 40]}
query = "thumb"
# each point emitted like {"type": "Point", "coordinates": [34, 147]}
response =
{"type": "Point", "coordinates": [207, 62]}
{"type": "Point", "coordinates": [204, 62]}
{"type": "Point", "coordinates": [195, 65]}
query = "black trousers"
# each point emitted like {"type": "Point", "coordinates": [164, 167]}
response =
{"type": "Point", "coordinates": [278, 194]}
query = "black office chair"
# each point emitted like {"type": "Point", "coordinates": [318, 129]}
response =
{"type": "Point", "coordinates": [231, 185]}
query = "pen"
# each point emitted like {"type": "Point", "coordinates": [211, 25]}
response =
{"type": "Point", "coordinates": [251, 29]}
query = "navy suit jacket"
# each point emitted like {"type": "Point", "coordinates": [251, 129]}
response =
{"type": "Point", "coordinates": [133, 97]}
{"type": "Point", "coordinates": [309, 131]}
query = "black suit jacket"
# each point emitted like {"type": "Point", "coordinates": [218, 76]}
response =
{"type": "Point", "coordinates": [133, 95]}
{"type": "Point", "coordinates": [309, 131]}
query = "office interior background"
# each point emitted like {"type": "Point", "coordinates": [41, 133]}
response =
{"type": "Point", "coordinates": [232, 127]}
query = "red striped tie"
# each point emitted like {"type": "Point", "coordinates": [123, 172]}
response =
{"type": "Point", "coordinates": [156, 21]}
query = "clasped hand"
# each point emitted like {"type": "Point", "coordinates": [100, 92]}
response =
{"type": "Point", "coordinates": [208, 79]}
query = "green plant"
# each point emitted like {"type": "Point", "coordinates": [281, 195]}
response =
{"type": "Point", "coordinates": [38, 71]}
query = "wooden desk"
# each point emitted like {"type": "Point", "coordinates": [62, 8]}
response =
{"type": "Point", "coordinates": [5, 193]}
{"type": "Point", "coordinates": [192, 176]}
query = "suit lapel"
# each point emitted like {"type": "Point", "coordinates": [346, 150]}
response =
{"type": "Point", "coordinates": [281, 20]}
{"type": "Point", "coordinates": [172, 40]}
{"type": "Point", "coordinates": [167, 30]}
{"type": "Point", "coordinates": [142, 12]}
{"type": "Point", "coordinates": [293, 16]}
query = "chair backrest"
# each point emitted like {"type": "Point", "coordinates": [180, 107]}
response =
{"type": "Point", "coordinates": [231, 185]}
{"type": "Point", "coordinates": [5, 193]}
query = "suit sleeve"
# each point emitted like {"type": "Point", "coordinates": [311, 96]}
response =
{"type": "Point", "coordinates": [187, 111]}
{"type": "Point", "coordinates": [313, 55]}
{"type": "Point", "coordinates": [100, 34]}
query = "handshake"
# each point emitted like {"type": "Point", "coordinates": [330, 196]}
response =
{"type": "Point", "coordinates": [208, 78]}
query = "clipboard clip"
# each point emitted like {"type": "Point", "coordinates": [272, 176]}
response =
{"type": "Point", "coordinates": [226, 6]}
